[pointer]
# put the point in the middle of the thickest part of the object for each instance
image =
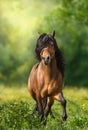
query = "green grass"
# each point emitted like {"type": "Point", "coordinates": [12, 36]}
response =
{"type": "Point", "coordinates": [16, 108]}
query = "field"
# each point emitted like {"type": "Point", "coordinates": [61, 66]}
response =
{"type": "Point", "coordinates": [16, 108]}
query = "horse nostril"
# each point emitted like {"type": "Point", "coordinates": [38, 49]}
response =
{"type": "Point", "coordinates": [47, 57]}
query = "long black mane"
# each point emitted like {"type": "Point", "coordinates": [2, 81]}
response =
{"type": "Point", "coordinates": [42, 42]}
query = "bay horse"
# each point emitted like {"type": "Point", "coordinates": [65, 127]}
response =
{"type": "Point", "coordinates": [46, 82]}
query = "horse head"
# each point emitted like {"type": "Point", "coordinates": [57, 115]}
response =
{"type": "Point", "coordinates": [47, 54]}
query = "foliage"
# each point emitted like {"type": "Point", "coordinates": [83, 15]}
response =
{"type": "Point", "coordinates": [70, 20]}
{"type": "Point", "coordinates": [17, 114]}
{"type": "Point", "coordinates": [21, 20]}
{"type": "Point", "coordinates": [17, 22]}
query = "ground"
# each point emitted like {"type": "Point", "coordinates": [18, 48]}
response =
{"type": "Point", "coordinates": [16, 106]}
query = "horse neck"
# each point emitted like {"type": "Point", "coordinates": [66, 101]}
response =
{"type": "Point", "coordinates": [50, 70]}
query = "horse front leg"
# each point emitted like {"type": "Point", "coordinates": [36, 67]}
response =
{"type": "Point", "coordinates": [47, 110]}
{"type": "Point", "coordinates": [63, 104]}
{"type": "Point", "coordinates": [62, 100]}
{"type": "Point", "coordinates": [44, 103]}
{"type": "Point", "coordinates": [40, 107]}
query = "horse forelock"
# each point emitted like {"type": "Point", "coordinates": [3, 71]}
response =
{"type": "Point", "coordinates": [45, 38]}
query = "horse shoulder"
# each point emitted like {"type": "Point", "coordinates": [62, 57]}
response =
{"type": "Point", "coordinates": [34, 68]}
{"type": "Point", "coordinates": [40, 77]}
{"type": "Point", "coordinates": [32, 77]}
{"type": "Point", "coordinates": [56, 84]}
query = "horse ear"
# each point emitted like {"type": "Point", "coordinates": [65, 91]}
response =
{"type": "Point", "coordinates": [39, 34]}
{"type": "Point", "coordinates": [53, 34]}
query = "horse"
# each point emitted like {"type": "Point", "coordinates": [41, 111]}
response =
{"type": "Point", "coordinates": [46, 81]}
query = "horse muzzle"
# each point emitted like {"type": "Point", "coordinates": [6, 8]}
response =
{"type": "Point", "coordinates": [47, 60]}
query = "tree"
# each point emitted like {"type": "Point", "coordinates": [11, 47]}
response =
{"type": "Point", "coordinates": [70, 20]}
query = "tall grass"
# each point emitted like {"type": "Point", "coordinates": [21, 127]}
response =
{"type": "Point", "coordinates": [16, 110]}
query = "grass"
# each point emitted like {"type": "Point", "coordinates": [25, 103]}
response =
{"type": "Point", "coordinates": [16, 108]}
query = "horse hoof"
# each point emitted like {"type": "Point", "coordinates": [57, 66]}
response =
{"type": "Point", "coordinates": [44, 121]}
{"type": "Point", "coordinates": [42, 118]}
{"type": "Point", "coordinates": [64, 118]}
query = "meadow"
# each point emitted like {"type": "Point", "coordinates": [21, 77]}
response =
{"type": "Point", "coordinates": [20, 22]}
{"type": "Point", "coordinates": [16, 106]}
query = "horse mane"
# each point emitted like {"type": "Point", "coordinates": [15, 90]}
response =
{"type": "Point", "coordinates": [42, 42]}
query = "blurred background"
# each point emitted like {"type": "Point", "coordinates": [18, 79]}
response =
{"type": "Point", "coordinates": [20, 22]}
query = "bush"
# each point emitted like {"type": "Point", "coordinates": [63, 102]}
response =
{"type": "Point", "coordinates": [18, 116]}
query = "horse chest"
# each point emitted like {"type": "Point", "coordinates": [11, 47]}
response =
{"type": "Point", "coordinates": [49, 88]}
{"type": "Point", "coordinates": [52, 88]}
